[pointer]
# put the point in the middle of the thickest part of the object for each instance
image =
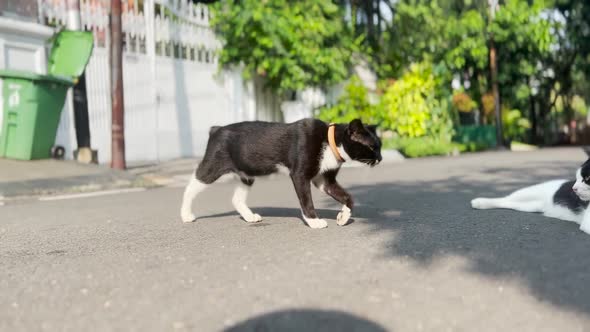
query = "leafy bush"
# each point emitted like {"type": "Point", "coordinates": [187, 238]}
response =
{"type": "Point", "coordinates": [409, 106]}
{"type": "Point", "coordinates": [515, 126]}
{"type": "Point", "coordinates": [406, 104]}
{"type": "Point", "coordinates": [352, 104]}
{"type": "Point", "coordinates": [579, 106]}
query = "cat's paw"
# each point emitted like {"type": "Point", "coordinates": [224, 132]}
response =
{"type": "Point", "coordinates": [254, 217]}
{"type": "Point", "coordinates": [188, 217]}
{"type": "Point", "coordinates": [343, 216]}
{"type": "Point", "coordinates": [480, 203]}
{"type": "Point", "coordinates": [316, 223]}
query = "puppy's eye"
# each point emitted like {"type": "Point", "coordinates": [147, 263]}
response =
{"type": "Point", "coordinates": [587, 179]}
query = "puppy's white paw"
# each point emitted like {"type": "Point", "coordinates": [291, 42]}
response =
{"type": "Point", "coordinates": [343, 216]}
{"type": "Point", "coordinates": [585, 228]}
{"type": "Point", "coordinates": [316, 223]}
{"type": "Point", "coordinates": [254, 217]}
{"type": "Point", "coordinates": [188, 217]}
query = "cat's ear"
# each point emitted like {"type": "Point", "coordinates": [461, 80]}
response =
{"type": "Point", "coordinates": [356, 126]}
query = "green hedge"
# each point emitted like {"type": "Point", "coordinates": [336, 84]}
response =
{"type": "Point", "coordinates": [421, 146]}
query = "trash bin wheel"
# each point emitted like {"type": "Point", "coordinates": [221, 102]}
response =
{"type": "Point", "coordinates": [58, 152]}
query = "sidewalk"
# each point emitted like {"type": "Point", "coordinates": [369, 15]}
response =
{"type": "Point", "coordinates": [172, 173]}
{"type": "Point", "coordinates": [44, 177]}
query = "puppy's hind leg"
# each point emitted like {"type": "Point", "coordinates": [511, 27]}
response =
{"type": "Point", "coordinates": [205, 176]}
{"type": "Point", "coordinates": [239, 201]}
{"type": "Point", "coordinates": [303, 190]}
{"type": "Point", "coordinates": [191, 191]}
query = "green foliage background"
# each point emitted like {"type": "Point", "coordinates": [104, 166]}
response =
{"type": "Point", "coordinates": [543, 52]}
{"type": "Point", "coordinates": [293, 44]}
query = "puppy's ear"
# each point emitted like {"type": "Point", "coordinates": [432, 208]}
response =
{"type": "Point", "coordinates": [372, 129]}
{"type": "Point", "coordinates": [356, 126]}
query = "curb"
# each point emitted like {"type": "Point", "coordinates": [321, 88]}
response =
{"type": "Point", "coordinates": [77, 189]}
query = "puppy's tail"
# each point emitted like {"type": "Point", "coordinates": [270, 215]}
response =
{"type": "Point", "coordinates": [213, 130]}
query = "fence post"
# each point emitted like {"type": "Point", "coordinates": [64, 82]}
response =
{"type": "Point", "coordinates": [118, 106]}
{"type": "Point", "coordinates": [149, 13]}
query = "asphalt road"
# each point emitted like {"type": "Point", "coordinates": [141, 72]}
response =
{"type": "Point", "coordinates": [417, 257]}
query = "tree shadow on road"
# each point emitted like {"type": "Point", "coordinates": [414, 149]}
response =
{"type": "Point", "coordinates": [435, 220]}
{"type": "Point", "coordinates": [306, 320]}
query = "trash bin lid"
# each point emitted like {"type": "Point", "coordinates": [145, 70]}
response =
{"type": "Point", "coordinates": [70, 53]}
{"type": "Point", "coordinates": [5, 73]}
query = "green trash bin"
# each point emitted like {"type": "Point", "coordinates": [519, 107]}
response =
{"type": "Point", "coordinates": [33, 103]}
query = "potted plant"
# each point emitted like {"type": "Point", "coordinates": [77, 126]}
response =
{"type": "Point", "coordinates": [470, 133]}
{"type": "Point", "coordinates": [466, 108]}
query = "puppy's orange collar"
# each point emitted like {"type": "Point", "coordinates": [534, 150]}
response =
{"type": "Point", "coordinates": [332, 142]}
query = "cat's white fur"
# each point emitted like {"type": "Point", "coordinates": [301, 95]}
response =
{"type": "Point", "coordinates": [328, 162]}
{"type": "Point", "coordinates": [581, 188]}
{"type": "Point", "coordinates": [539, 198]}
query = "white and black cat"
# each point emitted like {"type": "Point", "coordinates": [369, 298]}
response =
{"type": "Point", "coordinates": [561, 199]}
{"type": "Point", "coordinates": [309, 150]}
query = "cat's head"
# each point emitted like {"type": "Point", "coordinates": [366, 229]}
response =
{"type": "Point", "coordinates": [582, 185]}
{"type": "Point", "coordinates": [360, 142]}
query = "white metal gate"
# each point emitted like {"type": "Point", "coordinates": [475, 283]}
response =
{"type": "Point", "coordinates": [173, 89]}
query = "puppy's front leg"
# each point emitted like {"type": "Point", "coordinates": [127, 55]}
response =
{"type": "Point", "coordinates": [328, 184]}
{"type": "Point", "coordinates": [338, 193]}
{"type": "Point", "coordinates": [303, 190]}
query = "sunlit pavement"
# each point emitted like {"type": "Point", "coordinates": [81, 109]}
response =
{"type": "Point", "coordinates": [416, 257]}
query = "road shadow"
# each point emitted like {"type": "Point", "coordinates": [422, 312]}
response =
{"type": "Point", "coordinates": [306, 320]}
{"type": "Point", "coordinates": [275, 212]}
{"type": "Point", "coordinates": [268, 211]}
{"type": "Point", "coordinates": [434, 219]}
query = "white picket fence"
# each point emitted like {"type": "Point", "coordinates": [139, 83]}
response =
{"type": "Point", "coordinates": [173, 89]}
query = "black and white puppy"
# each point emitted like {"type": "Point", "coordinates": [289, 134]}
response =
{"type": "Point", "coordinates": [309, 151]}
